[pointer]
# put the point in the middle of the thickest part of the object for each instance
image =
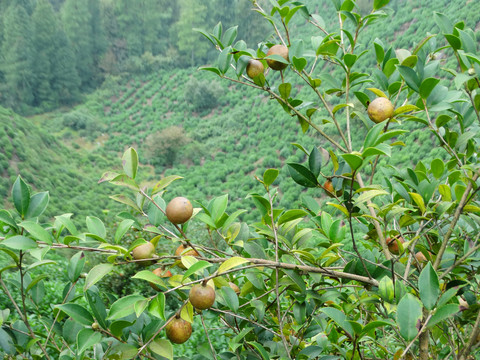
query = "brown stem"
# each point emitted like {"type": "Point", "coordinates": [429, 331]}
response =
{"type": "Point", "coordinates": [208, 337]}
{"type": "Point", "coordinates": [473, 339]}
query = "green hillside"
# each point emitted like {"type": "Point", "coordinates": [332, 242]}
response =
{"type": "Point", "coordinates": [48, 164]}
{"type": "Point", "coordinates": [190, 123]}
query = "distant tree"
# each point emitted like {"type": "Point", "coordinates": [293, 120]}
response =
{"type": "Point", "coordinates": [77, 20]}
{"type": "Point", "coordinates": [45, 29]}
{"type": "Point", "coordinates": [192, 14]}
{"type": "Point", "coordinates": [17, 65]}
{"type": "Point", "coordinates": [99, 41]}
{"type": "Point", "coordinates": [161, 148]}
{"type": "Point", "coordinates": [66, 82]}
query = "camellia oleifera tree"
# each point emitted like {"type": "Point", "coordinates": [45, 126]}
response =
{"type": "Point", "coordinates": [286, 286]}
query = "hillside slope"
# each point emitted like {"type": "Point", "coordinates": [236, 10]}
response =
{"type": "Point", "coordinates": [48, 165]}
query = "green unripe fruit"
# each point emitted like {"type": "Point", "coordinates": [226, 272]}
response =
{"type": "Point", "coordinates": [380, 110]}
{"type": "Point", "coordinates": [277, 50]}
{"type": "Point", "coordinates": [144, 251]}
{"type": "Point", "coordinates": [178, 330]}
{"type": "Point", "coordinates": [254, 68]}
{"type": "Point", "coordinates": [179, 210]}
{"type": "Point", "coordinates": [202, 296]}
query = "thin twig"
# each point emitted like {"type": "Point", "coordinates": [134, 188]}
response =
{"type": "Point", "coordinates": [208, 337]}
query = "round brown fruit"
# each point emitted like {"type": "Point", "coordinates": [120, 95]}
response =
{"type": "Point", "coordinates": [234, 287]}
{"type": "Point", "coordinates": [254, 68]}
{"type": "Point", "coordinates": [179, 210]}
{"type": "Point", "coordinates": [178, 330]}
{"type": "Point", "coordinates": [420, 257]}
{"type": "Point", "coordinates": [182, 251]}
{"type": "Point", "coordinates": [277, 50]}
{"type": "Point", "coordinates": [160, 272]}
{"type": "Point", "coordinates": [144, 251]}
{"type": "Point", "coordinates": [202, 296]}
{"type": "Point", "coordinates": [380, 110]}
{"type": "Point", "coordinates": [393, 245]}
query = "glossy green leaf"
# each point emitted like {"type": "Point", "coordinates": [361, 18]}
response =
{"type": "Point", "coordinates": [157, 306]}
{"type": "Point", "coordinates": [404, 109]}
{"type": "Point", "coordinates": [6, 218]}
{"type": "Point", "coordinates": [291, 215]}
{"type": "Point", "coordinates": [269, 176]}
{"type": "Point", "coordinates": [231, 263]}
{"type": "Point", "coordinates": [130, 162]}
{"type": "Point", "coordinates": [65, 221]}
{"type": "Point", "coordinates": [301, 175]}
{"type": "Point", "coordinates": [297, 279]}
{"type": "Point", "coordinates": [87, 338]}
{"type": "Point", "coordinates": [230, 35]}
{"type": "Point", "coordinates": [21, 196]}
{"type": "Point", "coordinates": [37, 231]}
{"type": "Point", "coordinates": [378, 92]}
{"type": "Point", "coordinates": [410, 77]}
{"type": "Point", "coordinates": [409, 313]}
{"type": "Point", "coordinates": [372, 135]}
{"type": "Point", "coordinates": [122, 229]}
{"type": "Point", "coordinates": [437, 167]}
{"type": "Point", "coordinates": [353, 160]}
{"type": "Point", "coordinates": [315, 161]}
{"type": "Point", "coordinates": [428, 286]}
{"type": "Point", "coordinates": [260, 349]}
{"type": "Point", "coordinates": [418, 199]}
{"type": "Point", "coordinates": [162, 184]}
{"type": "Point", "coordinates": [97, 306]}
{"type": "Point", "coordinates": [38, 204]}
{"type": "Point", "coordinates": [368, 195]}
{"type": "Point", "coordinates": [162, 347]}
{"type": "Point", "coordinates": [284, 90]}
{"type": "Point", "coordinates": [123, 307]}
{"type": "Point", "coordinates": [299, 63]}
{"type": "Point", "coordinates": [224, 59]}
{"type": "Point", "coordinates": [77, 313]}
{"type": "Point", "coordinates": [97, 273]}
{"type": "Point", "coordinates": [442, 313]}
{"type": "Point", "coordinates": [378, 4]}
{"type": "Point", "coordinates": [19, 242]}
{"type": "Point", "coordinates": [427, 86]}
{"type": "Point", "coordinates": [339, 318]}
{"type": "Point", "coordinates": [126, 200]}
{"type": "Point", "coordinates": [231, 298]}
{"type": "Point", "coordinates": [196, 268]}
{"type": "Point", "coordinates": [96, 226]}
{"type": "Point", "coordinates": [75, 266]}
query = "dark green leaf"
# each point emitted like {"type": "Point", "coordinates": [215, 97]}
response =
{"type": "Point", "coordinates": [130, 162]}
{"type": "Point", "coordinates": [38, 204]}
{"type": "Point", "coordinates": [96, 226]}
{"type": "Point", "coordinates": [315, 161]}
{"type": "Point", "coordinates": [224, 59]}
{"type": "Point", "coordinates": [378, 4]}
{"type": "Point", "coordinates": [75, 266]}
{"type": "Point", "coordinates": [19, 242]}
{"type": "Point", "coordinates": [442, 313]}
{"type": "Point", "coordinates": [410, 77]}
{"type": "Point", "coordinates": [6, 218]}
{"type": "Point", "coordinates": [86, 338]}
{"type": "Point", "coordinates": [339, 318]}
{"type": "Point", "coordinates": [122, 229]}
{"type": "Point", "coordinates": [427, 86]}
{"type": "Point", "coordinates": [409, 313]}
{"type": "Point", "coordinates": [97, 273]}
{"type": "Point", "coordinates": [269, 176]}
{"type": "Point", "coordinates": [123, 307]}
{"type": "Point", "coordinates": [299, 63]}
{"type": "Point", "coordinates": [353, 160]}
{"type": "Point", "coordinates": [230, 36]}
{"type": "Point", "coordinates": [97, 306]}
{"type": "Point", "coordinates": [77, 313]}
{"type": "Point", "coordinates": [284, 90]}
{"type": "Point", "coordinates": [231, 298]}
{"type": "Point", "coordinates": [21, 196]}
{"type": "Point", "coordinates": [428, 286]}
{"type": "Point", "coordinates": [290, 215]}
{"type": "Point", "coordinates": [37, 231]}
{"type": "Point", "coordinates": [301, 175]}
